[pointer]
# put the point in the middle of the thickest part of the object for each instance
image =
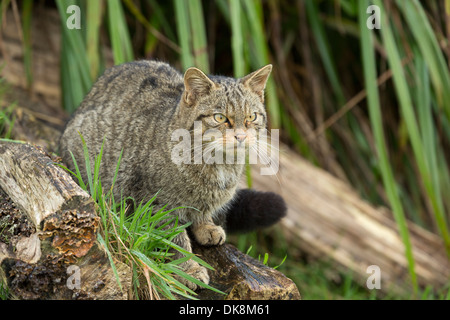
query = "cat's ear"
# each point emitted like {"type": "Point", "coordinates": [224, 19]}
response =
{"type": "Point", "coordinates": [256, 81]}
{"type": "Point", "coordinates": [196, 84]}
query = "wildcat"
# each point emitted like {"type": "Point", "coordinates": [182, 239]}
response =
{"type": "Point", "coordinates": [136, 106]}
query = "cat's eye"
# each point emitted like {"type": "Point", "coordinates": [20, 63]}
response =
{"type": "Point", "coordinates": [251, 117]}
{"type": "Point", "coordinates": [220, 118]}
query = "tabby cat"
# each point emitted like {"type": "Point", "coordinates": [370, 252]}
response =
{"type": "Point", "coordinates": [135, 107]}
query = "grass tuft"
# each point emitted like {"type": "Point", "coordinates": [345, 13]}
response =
{"type": "Point", "coordinates": [141, 239]}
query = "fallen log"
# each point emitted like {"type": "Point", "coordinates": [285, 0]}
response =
{"type": "Point", "coordinates": [59, 246]}
{"type": "Point", "coordinates": [327, 219]}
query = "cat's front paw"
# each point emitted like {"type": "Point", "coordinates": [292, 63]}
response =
{"type": "Point", "coordinates": [209, 234]}
{"type": "Point", "coordinates": [195, 270]}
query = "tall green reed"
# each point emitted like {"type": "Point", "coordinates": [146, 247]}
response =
{"type": "Point", "coordinates": [408, 108]}
{"type": "Point", "coordinates": [373, 100]}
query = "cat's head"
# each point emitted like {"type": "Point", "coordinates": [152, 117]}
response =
{"type": "Point", "coordinates": [233, 107]}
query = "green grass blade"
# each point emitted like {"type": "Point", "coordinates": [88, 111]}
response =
{"type": "Point", "coordinates": [78, 173]}
{"type": "Point", "coordinates": [96, 178]}
{"type": "Point", "coordinates": [370, 76]}
{"type": "Point", "coordinates": [324, 50]}
{"type": "Point", "coordinates": [237, 41]}
{"type": "Point", "coordinates": [75, 69]}
{"type": "Point", "coordinates": [111, 260]}
{"type": "Point", "coordinates": [71, 82]}
{"type": "Point", "coordinates": [75, 43]}
{"type": "Point", "coordinates": [118, 32]}
{"type": "Point", "coordinates": [88, 168]}
{"type": "Point", "coordinates": [427, 129]}
{"type": "Point", "coordinates": [116, 172]}
{"type": "Point", "coordinates": [7, 117]}
{"type": "Point", "coordinates": [260, 57]}
{"type": "Point", "coordinates": [198, 31]}
{"type": "Point", "coordinates": [184, 31]}
{"type": "Point", "coordinates": [430, 49]}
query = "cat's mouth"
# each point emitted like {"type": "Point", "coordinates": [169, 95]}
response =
{"type": "Point", "coordinates": [237, 145]}
{"type": "Point", "coordinates": [231, 143]}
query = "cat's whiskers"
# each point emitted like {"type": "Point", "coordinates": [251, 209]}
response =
{"type": "Point", "coordinates": [260, 144]}
{"type": "Point", "coordinates": [200, 148]}
{"type": "Point", "coordinates": [268, 144]}
{"type": "Point", "coordinates": [261, 153]}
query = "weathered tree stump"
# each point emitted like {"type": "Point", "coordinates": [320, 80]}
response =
{"type": "Point", "coordinates": [50, 263]}
{"type": "Point", "coordinates": [57, 243]}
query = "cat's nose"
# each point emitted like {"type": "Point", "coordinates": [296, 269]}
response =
{"type": "Point", "coordinates": [240, 136]}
